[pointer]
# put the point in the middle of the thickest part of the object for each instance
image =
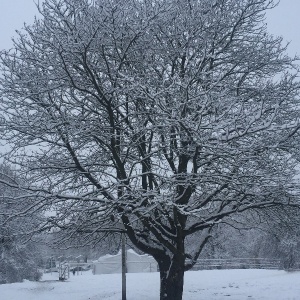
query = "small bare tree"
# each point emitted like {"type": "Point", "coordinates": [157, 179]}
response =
{"type": "Point", "coordinates": [167, 117]}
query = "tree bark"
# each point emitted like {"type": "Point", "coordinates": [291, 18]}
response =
{"type": "Point", "coordinates": [172, 278]}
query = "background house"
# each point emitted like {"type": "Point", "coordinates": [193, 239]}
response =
{"type": "Point", "coordinates": [135, 263]}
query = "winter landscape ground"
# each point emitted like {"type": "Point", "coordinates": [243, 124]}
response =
{"type": "Point", "coordinates": [206, 285]}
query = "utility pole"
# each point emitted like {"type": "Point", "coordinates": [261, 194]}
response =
{"type": "Point", "coordinates": [51, 264]}
{"type": "Point", "coordinates": [123, 266]}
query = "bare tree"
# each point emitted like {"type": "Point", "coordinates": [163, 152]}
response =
{"type": "Point", "coordinates": [167, 117]}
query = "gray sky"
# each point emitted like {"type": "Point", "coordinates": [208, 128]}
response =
{"type": "Point", "coordinates": [284, 20]}
{"type": "Point", "coordinates": [13, 14]}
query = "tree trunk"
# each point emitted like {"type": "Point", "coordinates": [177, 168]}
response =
{"type": "Point", "coordinates": [171, 278]}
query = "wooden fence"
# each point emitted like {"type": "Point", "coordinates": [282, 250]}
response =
{"type": "Point", "coordinates": [237, 263]}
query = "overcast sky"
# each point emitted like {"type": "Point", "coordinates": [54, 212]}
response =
{"type": "Point", "coordinates": [284, 20]}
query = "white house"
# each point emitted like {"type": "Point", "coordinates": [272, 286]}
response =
{"type": "Point", "coordinates": [135, 263]}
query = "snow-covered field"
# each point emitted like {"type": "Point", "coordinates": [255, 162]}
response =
{"type": "Point", "coordinates": [200, 285]}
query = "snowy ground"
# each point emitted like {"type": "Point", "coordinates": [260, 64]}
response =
{"type": "Point", "coordinates": [200, 285]}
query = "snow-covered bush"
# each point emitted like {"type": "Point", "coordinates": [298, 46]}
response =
{"type": "Point", "coordinates": [18, 257]}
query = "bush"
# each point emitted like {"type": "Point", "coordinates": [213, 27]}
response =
{"type": "Point", "coordinates": [15, 271]}
{"type": "Point", "coordinates": [18, 263]}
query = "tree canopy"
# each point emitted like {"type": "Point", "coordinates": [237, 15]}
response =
{"type": "Point", "coordinates": [163, 118]}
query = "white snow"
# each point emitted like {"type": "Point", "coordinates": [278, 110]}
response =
{"type": "Point", "coordinates": [205, 285]}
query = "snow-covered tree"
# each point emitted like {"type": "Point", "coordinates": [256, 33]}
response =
{"type": "Point", "coordinates": [18, 257]}
{"type": "Point", "coordinates": [281, 238]}
{"type": "Point", "coordinates": [161, 117]}
{"type": "Point", "coordinates": [271, 236]}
